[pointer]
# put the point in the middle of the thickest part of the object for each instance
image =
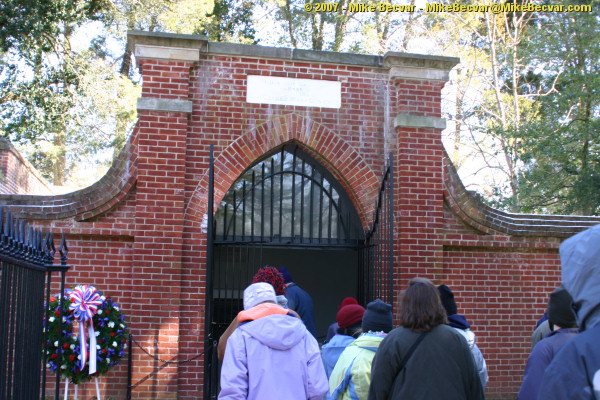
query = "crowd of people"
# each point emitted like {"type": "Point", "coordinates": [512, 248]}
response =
{"type": "Point", "coordinates": [270, 351]}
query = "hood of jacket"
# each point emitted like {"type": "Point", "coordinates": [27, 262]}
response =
{"type": "Point", "coordinates": [580, 264]}
{"type": "Point", "coordinates": [279, 332]}
{"type": "Point", "coordinates": [458, 321]}
{"type": "Point", "coordinates": [369, 340]}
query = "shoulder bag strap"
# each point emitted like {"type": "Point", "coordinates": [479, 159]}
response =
{"type": "Point", "coordinates": [411, 351]}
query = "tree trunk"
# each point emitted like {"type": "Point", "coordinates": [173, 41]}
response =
{"type": "Point", "coordinates": [59, 164]}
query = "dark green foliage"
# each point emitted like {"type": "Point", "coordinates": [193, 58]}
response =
{"type": "Point", "coordinates": [36, 24]}
{"type": "Point", "coordinates": [231, 20]}
{"type": "Point", "coordinates": [561, 147]}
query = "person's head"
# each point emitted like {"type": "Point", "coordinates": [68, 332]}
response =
{"type": "Point", "coordinates": [258, 293]}
{"type": "Point", "coordinates": [270, 275]}
{"type": "Point", "coordinates": [378, 317]}
{"type": "Point", "coordinates": [421, 307]}
{"type": "Point", "coordinates": [580, 270]}
{"type": "Point", "coordinates": [287, 277]}
{"type": "Point", "coordinates": [447, 298]}
{"type": "Point", "coordinates": [560, 312]}
{"type": "Point", "coordinates": [349, 319]}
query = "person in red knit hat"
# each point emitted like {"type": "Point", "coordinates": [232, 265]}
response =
{"type": "Point", "coordinates": [332, 330]}
{"type": "Point", "coordinates": [349, 319]}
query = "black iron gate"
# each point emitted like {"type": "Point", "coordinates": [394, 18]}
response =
{"type": "Point", "coordinates": [27, 256]}
{"type": "Point", "coordinates": [287, 201]}
{"type": "Point", "coordinates": [377, 256]}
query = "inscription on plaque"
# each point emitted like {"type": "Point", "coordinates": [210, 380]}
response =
{"type": "Point", "coordinates": [293, 92]}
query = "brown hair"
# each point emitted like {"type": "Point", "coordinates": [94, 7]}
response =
{"type": "Point", "coordinates": [422, 308]}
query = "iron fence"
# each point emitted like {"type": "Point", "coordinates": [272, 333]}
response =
{"type": "Point", "coordinates": [26, 256]}
{"type": "Point", "coordinates": [377, 256]}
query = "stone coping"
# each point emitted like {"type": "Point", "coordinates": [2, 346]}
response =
{"type": "Point", "coordinates": [82, 204]}
{"type": "Point", "coordinates": [201, 43]}
{"type": "Point", "coordinates": [167, 105]}
{"type": "Point", "coordinates": [475, 213]}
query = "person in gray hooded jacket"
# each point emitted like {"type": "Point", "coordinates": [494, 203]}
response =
{"type": "Point", "coordinates": [575, 371]}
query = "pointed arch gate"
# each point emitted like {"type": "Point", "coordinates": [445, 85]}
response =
{"type": "Point", "coordinates": [286, 200]}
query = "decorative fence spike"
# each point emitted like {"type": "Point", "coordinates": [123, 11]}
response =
{"type": "Point", "coordinates": [26, 266]}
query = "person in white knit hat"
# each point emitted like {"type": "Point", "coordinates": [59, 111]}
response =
{"type": "Point", "coordinates": [271, 355]}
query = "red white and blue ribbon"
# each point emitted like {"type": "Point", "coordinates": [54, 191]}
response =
{"type": "Point", "coordinates": [85, 301]}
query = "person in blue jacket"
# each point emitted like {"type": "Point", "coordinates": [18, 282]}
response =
{"type": "Point", "coordinates": [333, 328]}
{"type": "Point", "coordinates": [300, 301]}
{"type": "Point", "coordinates": [563, 327]}
{"type": "Point", "coordinates": [574, 373]}
{"type": "Point", "coordinates": [349, 319]}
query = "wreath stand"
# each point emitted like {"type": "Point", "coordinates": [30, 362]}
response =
{"type": "Point", "coordinates": [76, 386]}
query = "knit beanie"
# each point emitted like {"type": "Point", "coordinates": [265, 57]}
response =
{"type": "Point", "coordinates": [349, 315]}
{"type": "Point", "coordinates": [347, 301]}
{"type": "Point", "coordinates": [448, 301]}
{"type": "Point", "coordinates": [258, 293]}
{"type": "Point", "coordinates": [377, 317]}
{"type": "Point", "coordinates": [272, 276]}
{"type": "Point", "coordinates": [559, 309]}
{"type": "Point", "coordinates": [287, 277]}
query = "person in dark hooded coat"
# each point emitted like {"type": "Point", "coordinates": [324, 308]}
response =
{"type": "Point", "coordinates": [300, 301]}
{"type": "Point", "coordinates": [574, 373]}
{"type": "Point", "coordinates": [563, 327]}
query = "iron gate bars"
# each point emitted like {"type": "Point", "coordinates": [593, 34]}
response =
{"type": "Point", "coordinates": [377, 258]}
{"type": "Point", "coordinates": [26, 257]}
{"type": "Point", "coordinates": [287, 198]}
{"type": "Point", "coordinates": [210, 344]}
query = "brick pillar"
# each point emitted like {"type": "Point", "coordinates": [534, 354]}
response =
{"type": "Point", "coordinates": [161, 151]}
{"type": "Point", "coordinates": [418, 191]}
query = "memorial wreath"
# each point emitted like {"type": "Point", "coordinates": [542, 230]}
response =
{"type": "Point", "coordinates": [92, 334]}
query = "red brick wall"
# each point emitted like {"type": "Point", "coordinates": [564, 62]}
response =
{"type": "Point", "coordinates": [17, 175]}
{"type": "Point", "coordinates": [140, 233]}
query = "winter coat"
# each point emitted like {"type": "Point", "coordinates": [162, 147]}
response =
{"type": "Point", "coordinates": [441, 367]}
{"type": "Point", "coordinates": [272, 356]}
{"type": "Point", "coordinates": [301, 302]}
{"type": "Point", "coordinates": [540, 357]}
{"type": "Point", "coordinates": [459, 322]}
{"type": "Point", "coordinates": [222, 344]}
{"type": "Point", "coordinates": [351, 376]}
{"type": "Point", "coordinates": [331, 331]}
{"type": "Point", "coordinates": [332, 351]}
{"type": "Point", "coordinates": [574, 373]}
{"type": "Point", "coordinates": [540, 333]}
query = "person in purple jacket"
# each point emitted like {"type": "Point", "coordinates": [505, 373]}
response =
{"type": "Point", "coordinates": [563, 326]}
{"type": "Point", "coordinates": [574, 372]}
{"type": "Point", "coordinates": [271, 355]}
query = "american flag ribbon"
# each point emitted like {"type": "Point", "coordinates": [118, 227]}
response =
{"type": "Point", "coordinates": [85, 301]}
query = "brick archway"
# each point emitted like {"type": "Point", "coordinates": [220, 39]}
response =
{"type": "Point", "coordinates": [346, 165]}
